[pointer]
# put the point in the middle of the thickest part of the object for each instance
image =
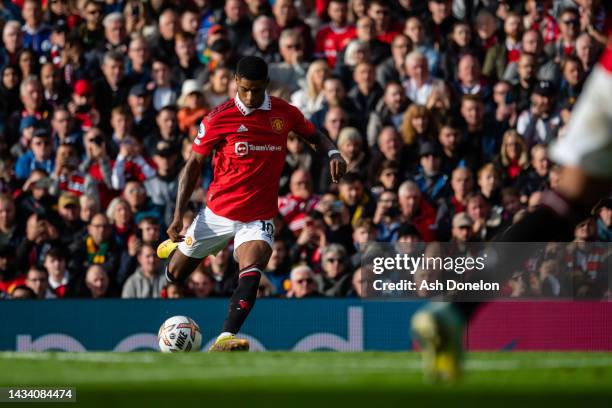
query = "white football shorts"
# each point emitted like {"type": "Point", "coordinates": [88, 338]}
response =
{"type": "Point", "coordinates": [588, 140]}
{"type": "Point", "coordinates": [209, 233]}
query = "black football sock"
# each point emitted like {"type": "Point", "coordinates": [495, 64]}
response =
{"type": "Point", "coordinates": [243, 298]}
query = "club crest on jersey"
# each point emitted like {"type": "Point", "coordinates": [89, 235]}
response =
{"type": "Point", "coordinates": [241, 148]}
{"type": "Point", "coordinates": [201, 131]}
{"type": "Point", "coordinates": [277, 124]}
{"type": "Point", "coordinates": [188, 240]}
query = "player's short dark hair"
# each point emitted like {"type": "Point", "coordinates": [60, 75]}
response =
{"type": "Point", "coordinates": [252, 68]}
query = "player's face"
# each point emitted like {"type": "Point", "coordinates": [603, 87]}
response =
{"type": "Point", "coordinates": [251, 93]}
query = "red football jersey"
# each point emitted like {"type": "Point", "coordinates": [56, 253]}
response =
{"type": "Point", "coordinates": [331, 40]}
{"type": "Point", "coordinates": [250, 147]}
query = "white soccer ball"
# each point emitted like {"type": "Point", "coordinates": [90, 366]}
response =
{"type": "Point", "coordinates": [179, 333]}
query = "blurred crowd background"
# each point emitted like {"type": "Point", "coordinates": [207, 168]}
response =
{"type": "Point", "coordinates": [443, 110]}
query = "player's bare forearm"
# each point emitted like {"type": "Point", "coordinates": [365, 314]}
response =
{"type": "Point", "coordinates": [324, 145]}
{"type": "Point", "coordinates": [187, 182]}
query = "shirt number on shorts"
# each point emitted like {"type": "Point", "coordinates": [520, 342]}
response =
{"type": "Point", "coordinates": [267, 227]}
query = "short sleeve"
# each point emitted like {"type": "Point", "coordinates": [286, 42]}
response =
{"type": "Point", "coordinates": [302, 126]}
{"type": "Point", "coordinates": [207, 138]}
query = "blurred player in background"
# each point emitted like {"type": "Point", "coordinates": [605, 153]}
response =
{"type": "Point", "coordinates": [249, 136]}
{"type": "Point", "coordinates": [585, 152]}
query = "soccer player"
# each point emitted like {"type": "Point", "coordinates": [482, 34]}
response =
{"type": "Point", "coordinates": [249, 136]}
{"type": "Point", "coordinates": [585, 153]}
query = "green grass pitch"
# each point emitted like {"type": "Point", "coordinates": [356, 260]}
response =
{"type": "Point", "coordinates": [316, 379]}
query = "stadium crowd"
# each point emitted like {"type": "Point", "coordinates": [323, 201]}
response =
{"type": "Point", "coordinates": [442, 109]}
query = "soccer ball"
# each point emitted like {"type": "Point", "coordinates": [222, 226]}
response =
{"type": "Point", "coordinates": [179, 333]}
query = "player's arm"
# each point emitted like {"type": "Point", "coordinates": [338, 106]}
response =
{"type": "Point", "coordinates": [323, 144]}
{"type": "Point", "coordinates": [187, 182]}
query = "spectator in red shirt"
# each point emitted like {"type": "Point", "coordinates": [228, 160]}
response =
{"type": "Point", "coordinates": [332, 38]}
{"type": "Point", "coordinates": [294, 206]}
{"type": "Point", "coordinates": [416, 210]}
{"type": "Point", "coordinates": [386, 28]}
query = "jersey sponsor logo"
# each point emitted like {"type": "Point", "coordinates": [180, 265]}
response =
{"type": "Point", "coordinates": [244, 148]}
{"type": "Point", "coordinates": [242, 128]}
{"type": "Point", "coordinates": [241, 148]}
{"type": "Point", "coordinates": [277, 124]}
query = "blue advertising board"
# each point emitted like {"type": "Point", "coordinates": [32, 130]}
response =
{"type": "Point", "coordinates": [274, 324]}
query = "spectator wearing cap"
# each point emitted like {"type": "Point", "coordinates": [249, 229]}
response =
{"type": "Point", "coordinates": [291, 71]}
{"type": "Point", "coordinates": [164, 92]}
{"type": "Point", "coordinates": [462, 231]}
{"type": "Point", "coordinates": [334, 37]}
{"type": "Point", "coordinates": [111, 90]}
{"type": "Point", "coordinates": [569, 26]}
{"type": "Point", "coordinates": [416, 210]}
{"type": "Point", "coordinates": [96, 248]}
{"type": "Point", "coordinates": [300, 200]}
{"type": "Point", "coordinates": [429, 177]}
{"type": "Point", "coordinates": [287, 18]}
{"type": "Point", "coordinates": [541, 122]}
{"type": "Point", "coordinates": [138, 70]}
{"type": "Point", "coordinates": [162, 187]}
{"type": "Point", "coordinates": [91, 30]}
{"type": "Point", "coordinates": [461, 186]}
{"type": "Point", "coordinates": [192, 106]}
{"type": "Point", "coordinates": [139, 101]}
{"type": "Point", "coordinates": [40, 156]}
{"type": "Point", "coordinates": [389, 111]}
{"type": "Point", "coordinates": [187, 66]}
{"type": "Point", "coordinates": [162, 44]}
{"type": "Point", "coordinates": [237, 23]}
{"type": "Point", "coordinates": [82, 105]}
{"type": "Point", "coordinates": [604, 220]}
{"type": "Point", "coordinates": [70, 224]}
{"type": "Point", "coordinates": [264, 40]}
{"type": "Point", "coordinates": [35, 32]}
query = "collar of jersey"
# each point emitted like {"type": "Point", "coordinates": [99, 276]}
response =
{"type": "Point", "coordinates": [266, 105]}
